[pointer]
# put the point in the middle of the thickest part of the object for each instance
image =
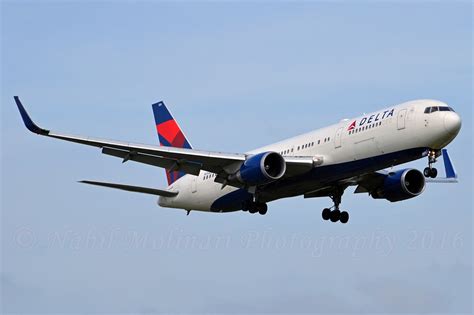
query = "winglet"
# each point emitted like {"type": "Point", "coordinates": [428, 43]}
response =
{"type": "Point", "coordinates": [448, 165]}
{"type": "Point", "coordinates": [27, 120]}
{"type": "Point", "coordinates": [451, 175]}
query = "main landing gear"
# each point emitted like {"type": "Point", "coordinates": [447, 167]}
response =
{"type": "Point", "coordinates": [254, 207]}
{"type": "Point", "coordinates": [430, 171]}
{"type": "Point", "coordinates": [335, 214]}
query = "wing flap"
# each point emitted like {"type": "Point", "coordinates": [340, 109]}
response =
{"type": "Point", "coordinates": [167, 163]}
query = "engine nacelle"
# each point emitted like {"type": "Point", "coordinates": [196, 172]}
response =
{"type": "Point", "coordinates": [401, 185]}
{"type": "Point", "coordinates": [262, 168]}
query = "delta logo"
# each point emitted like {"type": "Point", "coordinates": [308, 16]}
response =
{"type": "Point", "coordinates": [371, 119]}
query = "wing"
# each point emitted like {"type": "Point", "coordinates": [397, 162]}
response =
{"type": "Point", "coordinates": [369, 182]}
{"type": "Point", "coordinates": [187, 160]}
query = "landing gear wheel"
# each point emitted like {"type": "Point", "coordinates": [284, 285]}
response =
{"type": "Point", "coordinates": [326, 214]}
{"type": "Point", "coordinates": [430, 172]}
{"type": "Point", "coordinates": [427, 172]}
{"type": "Point", "coordinates": [253, 210]}
{"type": "Point", "coordinates": [262, 208]}
{"type": "Point", "coordinates": [335, 215]}
{"type": "Point", "coordinates": [344, 217]}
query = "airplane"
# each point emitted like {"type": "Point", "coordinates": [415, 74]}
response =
{"type": "Point", "coordinates": [321, 163]}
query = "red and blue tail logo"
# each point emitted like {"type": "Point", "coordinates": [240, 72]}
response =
{"type": "Point", "coordinates": [170, 135]}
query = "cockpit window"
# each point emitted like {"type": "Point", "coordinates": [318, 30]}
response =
{"type": "Point", "coordinates": [433, 109]}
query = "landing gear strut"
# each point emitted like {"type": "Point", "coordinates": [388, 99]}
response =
{"type": "Point", "coordinates": [430, 171]}
{"type": "Point", "coordinates": [336, 214]}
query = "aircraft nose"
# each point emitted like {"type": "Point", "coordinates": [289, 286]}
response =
{"type": "Point", "coordinates": [452, 123]}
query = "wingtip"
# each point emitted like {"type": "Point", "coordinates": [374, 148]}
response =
{"type": "Point", "coordinates": [27, 119]}
{"type": "Point", "coordinates": [448, 165]}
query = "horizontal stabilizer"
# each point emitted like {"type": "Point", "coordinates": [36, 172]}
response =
{"type": "Point", "coordinates": [144, 190]}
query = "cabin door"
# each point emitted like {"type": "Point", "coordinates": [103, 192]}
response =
{"type": "Point", "coordinates": [337, 138]}
{"type": "Point", "coordinates": [402, 115]}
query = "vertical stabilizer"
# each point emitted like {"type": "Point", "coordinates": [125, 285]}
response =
{"type": "Point", "coordinates": [170, 135]}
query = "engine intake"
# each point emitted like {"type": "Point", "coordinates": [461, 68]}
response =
{"type": "Point", "coordinates": [401, 185]}
{"type": "Point", "coordinates": [262, 168]}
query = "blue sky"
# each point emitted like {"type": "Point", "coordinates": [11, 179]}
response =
{"type": "Point", "coordinates": [236, 76]}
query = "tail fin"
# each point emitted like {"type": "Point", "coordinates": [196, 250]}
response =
{"type": "Point", "coordinates": [170, 135]}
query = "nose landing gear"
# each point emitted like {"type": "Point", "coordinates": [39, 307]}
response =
{"type": "Point", "coordinates": [430, 171]}
{"type": "Point", "coordinates": [335, 214]}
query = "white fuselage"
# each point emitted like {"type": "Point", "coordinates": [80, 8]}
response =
{"type": "Point", "coordinates": [389, 130]}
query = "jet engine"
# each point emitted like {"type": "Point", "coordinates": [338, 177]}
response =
{"type": "Point", "coordinates": [262, 168]}
{"type": "Point", "coordinates": [400, 185]}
